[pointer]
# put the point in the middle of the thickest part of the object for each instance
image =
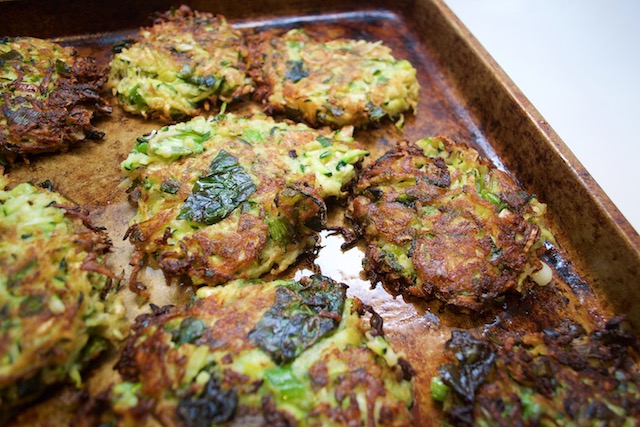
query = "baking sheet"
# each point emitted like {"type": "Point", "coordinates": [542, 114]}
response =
{"type": "Point", "coordinates": [464, 95]}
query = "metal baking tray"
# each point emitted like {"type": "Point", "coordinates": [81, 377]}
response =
{"type": "Point", "coordinates": [464, 95]}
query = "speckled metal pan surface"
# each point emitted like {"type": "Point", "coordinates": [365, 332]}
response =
{"type": "Point", "coordinates": [464, 96]}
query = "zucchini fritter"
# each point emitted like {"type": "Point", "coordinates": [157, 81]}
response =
{"type": "Point", "coordinates": [558, 377]}
{"type": "Point", "coordinates": [440, 221]}
{"type": "Point", "coordinates": [180, 65]}
{"type": "Point", "coordinates": [337, 83]}
{"type": "Point", "coordinates": [303, 354]}
{"type": "Point", "coordinates": [49, 97]}
{"type": "Point", "coordinates": [56, 311]}
{"type": "Point", "coordinates": [233, 197]}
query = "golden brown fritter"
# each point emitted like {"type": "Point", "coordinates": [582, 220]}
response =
{"type": "Point", "coordinates": [303, 354]}
{"type": "Point", "coordinates": [56, 310]}
{"type": "Point", "coordinates": [180, 66]}
{"type": "Point", "coordinates": [441, 222]}
{"type": "Point", "coordinates": [234, 197]}
{"type": "Point", "coordinates": [339, 82]}
{"type": "Point", "coordinates": [49, 97]}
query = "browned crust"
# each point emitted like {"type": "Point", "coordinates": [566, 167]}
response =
{"type": "Point", "coordinates": [60, 120]}
{"type": "Point", "coordinates": [454, 255]}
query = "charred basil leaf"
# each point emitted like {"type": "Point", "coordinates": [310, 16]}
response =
{"type": "Point", "coordinates": [94, 348]}
{"type": "Point", "coordinates": [170, 186]}
{"type": "Point", "coordinates": [295, 71]}
{"type": "Point", "coordinates": [190, 330]}
{"type": "Point", "coordinates": [12, 55]}
{"type": "Point", "coordinates": [303, 313]}
{"type": "Point", "coordinates": [208, 81]}
{"type": "Point", "coordinates": [212, 407]}
{"type": "Point", "coordinates": [215, 195]}
{"type": "Point", "coordinates": [375, 111]}
{"type": "Point", "coordinates": [302, 207]}
{"type": "Point", "coordinates": [62, 67]}
{"type": "Point", "coordinates": [335, 110]}
{"type": "Point", "coordinates": [475, 359]}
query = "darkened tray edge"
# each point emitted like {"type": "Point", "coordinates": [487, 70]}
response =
{"type": "Point", "coordinates": [601, 241]}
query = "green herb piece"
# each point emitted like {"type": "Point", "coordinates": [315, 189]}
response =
{"type": "Point", "coordinates": [302, 207]}
{"type": "Point", "coordinates": [253, 135]}
{"type": "Point", "coordinates": [197, 137]}
{"type": "Point", "coordinates": [439, 390]}
{"type": "Point", "coordinates": [494, 199]}
{"type": "Point", "coordinates": [208, 81]}
{"type": "Point", "coordinates": [62, 68]}
{"type": "Point", "coordinates": [190, 330]}
{"type": "Point", "coordinates": [324, 141]}
{"type": "Point", "coordinates": [95, 347]}
{"type": "Point", "coordinates": [215, 195]}
{"type": "Point", "coordinates": [31, 305]}
{"type": "Point", "coordinates": [375, 112]}
{"type": "Point", "coordinates": [303, 313]}
{"type": "Point", "coordinates": [486, 193]}
{"type": "Point", "coordinates": [142, 145]}
{"type": "Point", "coordinates": [279, 230]}
{"type": "Point", "coordinates": [295, 71]}
{"type": "Point", "coordinates": [136, 98]}
{"type": "Point", "coordinates": [12, 55]}
{"type": "Point", "coordinates": [406, 199]}
{"type": "Point", "coordinates": [335, 110]}
{"type": "Point", "coordinates": [284, 384]}
{"type": "Point", "coordinates": [170, 186]}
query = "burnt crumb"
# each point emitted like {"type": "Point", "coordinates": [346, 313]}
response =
{"type": "Point", "coordinates": [273, 417]}
{"type": "Point", "coordinates": [349, 236]}
{"type": "Point", "coordinates": [46, 184]}
{"type": "Point", "coordinates": [376, 321]}
{"type": "Point", "coordinates": [94, 134]}
{"type": "Point", "coordinates": [214, 406]}
{"type": "Point", "coordinates": [407, 370]}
